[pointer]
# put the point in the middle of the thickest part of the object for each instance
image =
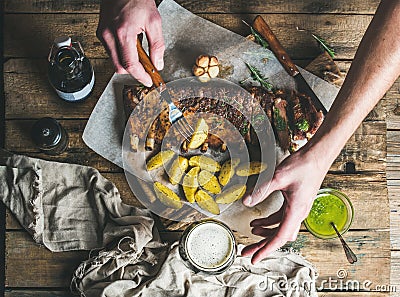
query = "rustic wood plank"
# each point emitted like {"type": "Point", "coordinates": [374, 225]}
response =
{"type": "Point", "coordinates": [368, 192]}
{"type": "Point", "coordinates": [394, 204]}
{"type": "Point", "coordinates": [31, 265]}
{"type": "Point", "coordinates": [29, 94]}
{"type": "Point", "coordinates": [338, 30]}
{"type": "Point", "coordinates": [32, 293]}
{"type": "Point", "coordinates": [372, 248]}
{"type": "Point", "coordinates": [395, 272]}
{"type": "Point", "coordinates": [36, 293]}
{"type": "Point", "coordinates": [211, 6]}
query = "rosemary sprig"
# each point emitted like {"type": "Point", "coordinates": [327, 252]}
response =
{"type": "Point", "coordinates": [257, 76]}
{"type": "Point", "coordinates": [325, 46]}
{"type": "Point", "coordinates": [260, 40]}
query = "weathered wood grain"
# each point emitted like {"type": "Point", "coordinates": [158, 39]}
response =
{"type": "Point", "coordinates": [29, 94]}
{"type": "Point", "coordinates": [368, 193]}
{"type": "Point", "coordinates": [212, 6]}
{"type": "Point", "coordinates": [372, 248]}
{"type": "Point", "coordinates": [31, 265]}
{"type": "Point", "coordinates": [342, 32]}
{"type": "Point", "coordinates": [36, 293]}
{"type": "Point", "coordinates": [394, 204]}
{"type": "Point", "coordinates": [32, 293]}
{"type": "Point", "coordinates": [395, 272]}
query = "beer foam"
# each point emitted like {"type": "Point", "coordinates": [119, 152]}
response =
{"type": "Point", "coordinates": [209, 245]}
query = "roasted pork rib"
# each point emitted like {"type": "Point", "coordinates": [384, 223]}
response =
{"type": "Point", "coordinates": [292, 115]}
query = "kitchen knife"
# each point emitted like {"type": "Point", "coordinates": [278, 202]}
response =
{"type": "Point", "coordinates": [265, 31]}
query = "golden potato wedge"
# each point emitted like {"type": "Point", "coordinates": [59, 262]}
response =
{"type": "Point", "coordinates": [159, 160]}
{"type": "Point", "coordinates": [190, 184]}
{"type": "Point", "coordinates": [178, 169]}
{"type": "Point", "coordinates": [231, 194]}
{"type": "Point", "coordinates": [205, 163]}
{"type": "Point", "coordinates": [247, 169]}
{"type": "Point", "coordinates": [209, 182]}
{"type": "Point", "coordinates": [227, 171]}
{"type": "Point", "coordinates": [167, 196]}
{"type": "Point", "coordinates": [206, 202]}
{"type": "Point", "coordinates": [199, 136]}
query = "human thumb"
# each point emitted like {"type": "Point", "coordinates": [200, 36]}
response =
{"type": "Point", "coordinates": [260, 193]}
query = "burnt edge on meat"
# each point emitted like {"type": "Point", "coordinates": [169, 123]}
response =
{"type": "Point", "coordinates": [292, 115]}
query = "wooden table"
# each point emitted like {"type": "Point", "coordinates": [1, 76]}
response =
{"type": "Point", "coordinates": [31, 25]}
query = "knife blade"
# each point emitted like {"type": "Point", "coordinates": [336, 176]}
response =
{"type": "Point", "coordinates": [265, 31]}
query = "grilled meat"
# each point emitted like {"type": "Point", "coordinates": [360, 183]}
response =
{"type": "Point", "coordinates": [293, 117]}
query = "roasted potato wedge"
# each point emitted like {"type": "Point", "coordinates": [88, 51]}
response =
{"type": "Point", "coordinates": [178, 169]}
{"type": "Point", "coordinates": [247, 169]}
{"type": "Point", "coordinates": [159, 160]}
{"type": "Point", "coordinates": [227, 171]}
{"type": "Point", "coordinates": [205, 163]}
{"type": "Point", "coordinates": [199, 136]}
{"type": "Point", "coordinates": [167, 196]}
{"type": "Point", "coordinates": [190, 184]}
{"type": "Point", "coordinates": [206, 202]}
{"type": "Point", "coordinates": [209, 182]}
{"type": "Point", "coordinates": [231, 194]}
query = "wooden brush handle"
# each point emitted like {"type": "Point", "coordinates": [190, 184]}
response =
{"type": "Point", "coordinates": [265, 31]}
{"type": "Point", "coordinates": [148, 66]}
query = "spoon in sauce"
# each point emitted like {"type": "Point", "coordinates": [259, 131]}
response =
{"type": "Point", "coordinates": [351, 257]}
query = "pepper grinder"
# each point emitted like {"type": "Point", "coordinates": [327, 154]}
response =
{"type": "Point", "coordinates": [49, 136]}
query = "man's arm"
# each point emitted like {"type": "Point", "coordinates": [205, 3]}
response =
{"type": "Point", "coordinates": [374, 69]}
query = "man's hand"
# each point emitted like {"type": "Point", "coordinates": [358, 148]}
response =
{"type": "Point", "coordinates": [120, 23]}
{"type": "Point", "coordinates": [299, 177]}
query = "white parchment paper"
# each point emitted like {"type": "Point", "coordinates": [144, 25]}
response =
{"type": "Point", "coordinates": [186, 37]}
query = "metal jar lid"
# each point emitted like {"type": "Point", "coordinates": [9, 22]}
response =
{"type": "Point", "coordinates": [46, 133]}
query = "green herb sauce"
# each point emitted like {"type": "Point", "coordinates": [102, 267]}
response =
{"type": "Point", "coordinates": [327, 208]}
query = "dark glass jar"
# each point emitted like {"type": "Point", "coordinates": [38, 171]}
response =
{"type": "Point", "coordinates": [208, 246]}
{"type": "Point", "coordinates": [49, 136]}
{"type": "Point", "coordinates": [70, 72]}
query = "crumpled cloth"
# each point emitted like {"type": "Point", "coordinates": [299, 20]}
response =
{"type": "Point", "coordinates": [71, 207]}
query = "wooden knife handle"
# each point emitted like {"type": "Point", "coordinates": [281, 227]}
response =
{"type": "Point", "coordinates": [148, 65]}
{"type": "Point", "coordinates": [265, 31]}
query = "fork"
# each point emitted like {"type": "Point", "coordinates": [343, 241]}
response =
{"type": "Point", "coordinates": [175, 115]}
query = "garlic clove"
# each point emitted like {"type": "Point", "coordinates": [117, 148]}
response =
{"type": "Point", "coordinates": [204, 77]}
{"type": "Point", "coordinates": [213, 61]}
{"type": "Point", "coordinates": [203, 61]}
{"type": "Point", "coordinates": [197, 71]}
{"type": "Point", "coordinates": [213, 71]}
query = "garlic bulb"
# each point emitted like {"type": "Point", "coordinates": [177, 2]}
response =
{"type": "Point", "coordinates": [206, 67]}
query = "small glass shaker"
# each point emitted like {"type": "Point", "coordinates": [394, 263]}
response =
{"type": "Point", "coordinates": [49, 136]}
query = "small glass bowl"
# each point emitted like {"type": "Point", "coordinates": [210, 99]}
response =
{"type": "Point", "coordinates": [191, 263]}
{"type": "Point", "coordinates": [349, 208]}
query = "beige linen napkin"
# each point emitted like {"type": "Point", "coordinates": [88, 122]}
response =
{"type": "Point", "coordinates": [72, 207]}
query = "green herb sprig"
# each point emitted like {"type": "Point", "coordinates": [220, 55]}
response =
{"type": "Point", "coordinates": [260, 40]}
{"type": "Point", "coordinates": [257, 76]}
{"type": "Point", "coordinates": [324, 45]}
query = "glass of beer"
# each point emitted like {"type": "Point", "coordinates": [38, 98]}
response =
{"type": "Point", "coordinates": [208, 246]}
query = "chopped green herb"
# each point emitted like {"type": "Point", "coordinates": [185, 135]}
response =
{"type": "Point", "coordinates": [279, 122]}
{"type": "Point", "coordinates": [260, 117]}
{"type": "Point", "coordinates": [303, 125]}
{"type": "Point", "coordinates": [324, 45]}
{"type": "Point", "coordinates": [257, 76]}
{"type": "Point", "coordinates": [260, 40]}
